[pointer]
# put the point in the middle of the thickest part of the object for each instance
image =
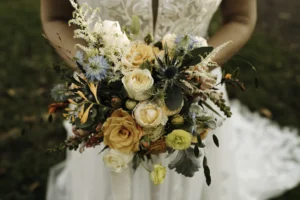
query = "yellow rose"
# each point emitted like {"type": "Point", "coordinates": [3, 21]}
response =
{"type": "Point", "coordinates": [158, 174]}
{"type": "Point", "coordinates": [138, 54]}
{"type": "Point", "coordinates": [121, 132]}
{"type": "Point", "coordinates": [138, 84]}
{"type": "Point", "coordinates": [177, 120]}
{"type": "Point", "coordinates": [149, 115]}
{"type": "Point", "coordinates": [179, 139]}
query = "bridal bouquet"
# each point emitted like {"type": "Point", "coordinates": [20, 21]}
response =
{"type": "Point", "coordinates": [141, 98]}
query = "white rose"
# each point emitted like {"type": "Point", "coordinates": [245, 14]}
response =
{"type": "Point", "coordinates": [169, 39]}
{"type": "Point", "coordinates": [138, 84]}
{"type": "Point", "coordinates": [149, 115]}
{"type": "Point", "coordinates": [117, 161]}
{"type": "Point", "coordinates": [112, 34]}
{"type": "Point", "coordinates": [200, 42]}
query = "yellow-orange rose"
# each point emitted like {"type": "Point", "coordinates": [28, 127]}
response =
{"type": "Point", "coordinates": [138, 54]}
{"type": "Point", "coordinates": [121, 132]}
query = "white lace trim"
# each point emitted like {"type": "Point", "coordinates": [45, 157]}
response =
{"type": "Point", "coordinates": [173, 15]}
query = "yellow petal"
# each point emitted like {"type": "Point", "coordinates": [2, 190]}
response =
{"type": "Point", "coordinates": [72, 102]}
{"type": "Point", "coordinates": [81, 111]}
{"type": "Point", "coordinates": [93, 89]}
{"type": "Point", "coordinates": [86, 114]}
{"type": "Point", "coordinates": [82, 95]}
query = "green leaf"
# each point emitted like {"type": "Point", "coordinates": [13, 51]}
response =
{"type": "Point", "coordinates": [135, 25]}
{"type": "Point", "coordinates": [80, 66]}
{"type": "Point", "coordinates": [207, 175]}
{"type": "Point", "coordinates": [106, 147]}
{"type": "Point", "coordinates": [174, 98]}
{"type": "Point", "coordinates": [146, 65]}
{"type": "Point", "coordinates": [236, 73]}
{"type": "Point", "coordinates": [135, 162]}
{"type": "Point", "coordinates": [158, 45]}
{"type": "Point", "coordinates": [50, 118]}
{"type": "Point", "coordinates": [87, 124]}
{"type": "Point", "coordinates": [196, 152]}
{"type": "Point", "coordinates": [206, 171]}
{"type": "Point", "coordinates": [185, 163]}
{"type": "Point", "coordinates": [200, 143]}
{"type": "Point", "coordinates": [216, 140]}
{"type": "Point", "coordinates": [190, 61]}
{"type": "Point", "coordinates": [203, 51]}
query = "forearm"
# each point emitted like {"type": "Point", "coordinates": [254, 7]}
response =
{"type": "Point", "coordinates": [239, 19]}
{"type": "Point", "coordinates": [60, 35]}
{"type": "Point", "coordinates": [233, 31]}
{"type": "Point", "coordinates": [55, 15]}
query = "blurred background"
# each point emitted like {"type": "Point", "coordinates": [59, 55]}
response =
{"type": "Point", "coordinates": [26, 77]}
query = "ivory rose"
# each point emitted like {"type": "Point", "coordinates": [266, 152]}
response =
{"type": "Point", "coordinates": [117, 161]}
{"type": "Point", "coordinates": [149, 115]}
{"type": "Point", "coordinates": [138, 84]}
{"type": "Point", "coordinates": [121, 132]}
{"type": "Point", "coordinates": [138, 54]}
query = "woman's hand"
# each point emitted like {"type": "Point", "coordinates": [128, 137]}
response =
{"type": "Point", "coordinates": [239, 19]}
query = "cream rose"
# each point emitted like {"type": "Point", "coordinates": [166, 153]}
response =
{"type": "Point", "coordinates": [149, 115]}
{"type": "Point", "coordinates": [121, 132]}
{"type": "Point", "coordinates": [200, 42]}
{"type": "Point", "coordinates": [117, 161]}
{"type": "Point", "coordinates": [138, 84]}
{"type": "Point", "coordinates": [169, 40]}
{"type": "Point", "coordinates": [138, 54]}
{"type": "Point", "coordinates": [158, 174]}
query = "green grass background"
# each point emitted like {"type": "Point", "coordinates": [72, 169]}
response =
{"type": "Point", "coordinates": [26, 78]}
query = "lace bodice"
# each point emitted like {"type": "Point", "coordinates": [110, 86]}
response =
{"type": "Point", "coordinates": [176, 16]}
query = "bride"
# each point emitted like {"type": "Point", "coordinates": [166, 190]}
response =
{"type": "Point", "coordinates": [234, 166]}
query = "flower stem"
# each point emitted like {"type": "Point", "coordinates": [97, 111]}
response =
{"type": "Point", "coordinates": [145, 167]}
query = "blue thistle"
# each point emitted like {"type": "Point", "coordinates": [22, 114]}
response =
{"type": "Point", "coordinates": [96, 68]}
{"type": "Point", "coordinates": [186, 40]}
{"type": "Point", "coordinates": [59, 93]}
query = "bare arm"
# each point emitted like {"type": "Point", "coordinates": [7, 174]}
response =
{"type": "Point", "coordinates": [55, 15]}
{"type": "Point", "coordinates": [239, 19]}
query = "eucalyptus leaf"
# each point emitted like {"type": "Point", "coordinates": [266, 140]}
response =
{"type": "Point", "coordinates": [207, 175]}
{"type": "Point", "coordinates": [216, 140]}
{"type": "Point", "coordinates": [196, 151]}
{"type": "Point", "coordinates": [174, 98]}
{"type": "Point", "coordinates": [185, 163]}
{"type": "Point", "coordinates": [135, 162]}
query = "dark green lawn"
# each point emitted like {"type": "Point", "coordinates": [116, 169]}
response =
{"type": "Point", "coordinates": [26, 78]}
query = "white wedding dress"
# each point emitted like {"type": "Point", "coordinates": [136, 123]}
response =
{"type": "Point", "coordinates": [256, 159]}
